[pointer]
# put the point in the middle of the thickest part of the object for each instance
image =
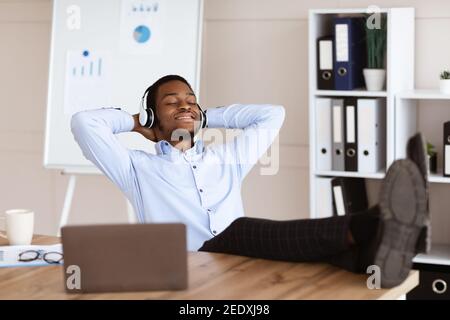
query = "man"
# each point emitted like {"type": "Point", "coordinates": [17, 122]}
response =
{"type": "Point", "coordinates": [200, 186]}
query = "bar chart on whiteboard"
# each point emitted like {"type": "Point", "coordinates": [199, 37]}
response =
{"type": "Point", "coordinates": [88, 80]}
{"type": "Point", "coordinates": [142, 26]}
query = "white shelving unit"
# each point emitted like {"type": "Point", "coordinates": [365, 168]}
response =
{"type": "Point", "coordinates": [406, 118]}
{"type": "Point", "coordinates": [399, 78]}
{"type": "Point", "coordinates": [402, 103]}
{"type": "Point", "coordinates": [423, 94]}
{"type": "Point", "coordinates": [439, 255]}
{"type": "Point", "coordinates": [438, 178]}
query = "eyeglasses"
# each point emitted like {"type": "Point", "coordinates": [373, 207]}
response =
{"type": "Point", "coordinates": [49, 257]}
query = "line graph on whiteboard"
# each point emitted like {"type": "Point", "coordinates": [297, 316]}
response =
{"type": "Point", "coordinates": [88, 80]}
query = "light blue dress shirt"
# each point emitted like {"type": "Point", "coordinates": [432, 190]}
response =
{"type": "Point", "coordinates": [200, 187]}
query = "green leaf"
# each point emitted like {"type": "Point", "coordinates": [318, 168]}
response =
{"type": "Point", "coordinates": [430, 149]}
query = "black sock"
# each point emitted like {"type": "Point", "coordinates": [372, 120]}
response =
{"type": "Point", "coordinates": [364, 226]}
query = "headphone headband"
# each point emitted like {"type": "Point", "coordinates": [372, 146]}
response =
{"type": "Point", "coordinates": [147, 115]}
{"type": "Point", "coordinates": [144, 98]}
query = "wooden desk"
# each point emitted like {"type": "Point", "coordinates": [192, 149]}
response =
{"type": "Point", "coordinates": [214, 276]}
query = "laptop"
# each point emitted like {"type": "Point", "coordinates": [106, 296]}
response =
{"type": "Point", "coordinates": [129, 257]}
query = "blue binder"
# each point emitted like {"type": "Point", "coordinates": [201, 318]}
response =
{"type": "Point", "coordinates": [350, 53]}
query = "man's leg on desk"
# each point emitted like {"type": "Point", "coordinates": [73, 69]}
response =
{"type": "Point", "coordinates": [309, 240]}
{"type": "Point", "coordinates": [386, 235]}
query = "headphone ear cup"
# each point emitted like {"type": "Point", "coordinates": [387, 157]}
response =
{"type": "Point", "coordinates": [146, 118]}
{"type": "Point", "coordinates": [151, 118]}
{"type": "Point", "coordinates": [204, 119]}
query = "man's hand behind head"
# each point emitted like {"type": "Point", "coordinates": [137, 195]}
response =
{"type": "Point", "coordinates": [146, 132]}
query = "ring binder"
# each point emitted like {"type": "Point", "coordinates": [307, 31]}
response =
{"type": "Point", "coordinates": [325, 78]}
{"type": "Point", "coordinates": [446, 152]}
{"type": "Point", "coordinates": [351, 135]}
{"type": "Point", "coordinates": [349, 53]}
{"type": "Point", "coordinates": [338, 117]}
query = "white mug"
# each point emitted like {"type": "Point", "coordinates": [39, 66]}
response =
{"type": "Point", "coordinates": [19, 226]}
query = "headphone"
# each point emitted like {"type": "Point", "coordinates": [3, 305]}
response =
{"type": "Point", "coordinates": [147, 115]}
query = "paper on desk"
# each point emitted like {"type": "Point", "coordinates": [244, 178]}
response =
{"type": "Point", "coordinates": [9, 255]}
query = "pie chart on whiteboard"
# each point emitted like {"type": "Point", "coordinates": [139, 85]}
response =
{"type": "Point", "coordinates": [141, 34]}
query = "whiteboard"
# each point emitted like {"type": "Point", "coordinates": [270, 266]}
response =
{"type": "Point", "coordinates": [106, 53]}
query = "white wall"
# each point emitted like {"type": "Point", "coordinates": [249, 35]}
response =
{"type": "Point", "coordinates": [254, 51]}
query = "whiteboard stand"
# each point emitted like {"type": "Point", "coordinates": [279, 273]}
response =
{"type": "Point", "coordinates": [69, 197]}
{"type": "Point", "coordinates": [67, 203]}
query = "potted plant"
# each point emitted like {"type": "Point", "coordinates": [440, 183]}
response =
{"type": "Point", "coordinates": [432, 157]}
{"type": "Point", "coordinates": [444, 83]}
{"type": "Point", "coordinates": [375, 74]}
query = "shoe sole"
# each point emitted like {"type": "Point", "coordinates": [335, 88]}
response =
{"type": "Point", "coordinates": [403, 214]}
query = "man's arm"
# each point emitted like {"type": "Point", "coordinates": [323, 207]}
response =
{"type": "Point", "coordinates": [94, 131]}
{"type": "Point", "coordinates": [260, 124]}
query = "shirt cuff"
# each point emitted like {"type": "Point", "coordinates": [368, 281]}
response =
{"type": "Point", "coordinates": [215, 117]}
{"type": "Point", "coordinates": [128, 121]}
{"type": "Point", "coordinates": [118, 120]}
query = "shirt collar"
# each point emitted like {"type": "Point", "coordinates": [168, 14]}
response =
{"type": "Point", "coordinates": [163, 147]}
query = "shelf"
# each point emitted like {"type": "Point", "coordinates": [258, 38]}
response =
{"type": "Point", "coordinates": [425, 94]}
{"type": "Point", "coordinates": [352, 174]}
{"type": "Point", "coordinates": [438, 178]}
{"type": "Point", "coordinates": [344, 11]}
{"type": "Point", "coordinates": [350, 93]}
{"type": "Point", "coordinates": [439, 255]}
{"type": "Point", "coordinates": [432, 178]}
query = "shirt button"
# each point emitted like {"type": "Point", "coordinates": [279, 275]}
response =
{"type": "Point", "coordinates": [209, 210]}
{"type": "Point", "coordinates": [195, 167]}
{"type": "Point", "coordinates": [166, 143]}
{"type": "Point", "coordinates": [214, 231]}
{"type": "Point", "coordinates": [201, 190]}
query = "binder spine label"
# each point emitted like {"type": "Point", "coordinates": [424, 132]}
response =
{"type": "Point", "coordinates": [341, 42]}
{"type": "Point", "coordinates": [447, 160]}
{"type": "Point", "coordinates": [326, 55]}
{"type": "Point", "coordinates": [339, 200]}
{"type": "Point", "coordinates": [337, 129]}
{"type": "Point", "coordinates": [350, 124]}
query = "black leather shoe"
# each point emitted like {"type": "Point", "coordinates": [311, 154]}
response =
{"type": "Point", "coordinates": [416, 151]}
{"type": "Point", "coordinates": [403, 211]}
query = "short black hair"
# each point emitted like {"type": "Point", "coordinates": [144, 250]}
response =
{"type": "Point", "coordinates": [153, 89]}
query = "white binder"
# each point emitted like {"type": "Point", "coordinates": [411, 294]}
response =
{"type": "Point", "coordinates": [371, 135]}
{"type": "Point", "coordinates": [324, 198]}
{"type": "Point", "coordinates": [338, 134]}
{"type": "Point", "coordinates": [323, 134]}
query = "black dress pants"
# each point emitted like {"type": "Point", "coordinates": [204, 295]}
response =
{"type": "Point", "coordinates": [307, 240]}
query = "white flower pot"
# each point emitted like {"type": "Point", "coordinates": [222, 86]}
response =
{"type": "Point", "coordinates": [444, 86]}
{"type": "Point", "coordinates": [374, 79]}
